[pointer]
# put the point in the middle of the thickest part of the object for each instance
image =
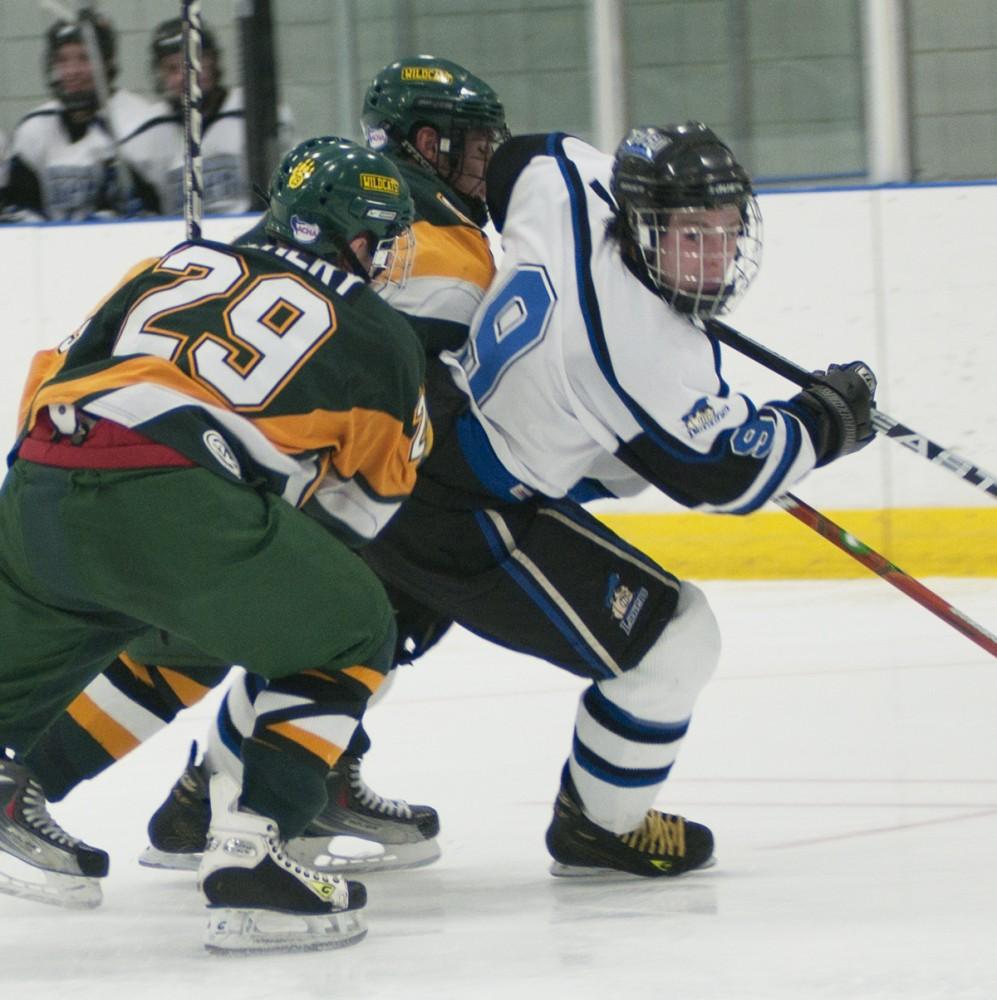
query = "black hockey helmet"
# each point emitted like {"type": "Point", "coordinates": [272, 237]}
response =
{"type": "Point", "coordinates": [64, 32]}
{"type": "Point", "coordinates": [167, 38]}
{"type": "Point", "coordinates": [682, 181]}
{"type": "Point", "coordinates": [424, 90]}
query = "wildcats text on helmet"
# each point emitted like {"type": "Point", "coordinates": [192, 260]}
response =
{"type": "Point", "coordinates": [378, 182]}
{"type": "Point", "coordinates": [426, 74]}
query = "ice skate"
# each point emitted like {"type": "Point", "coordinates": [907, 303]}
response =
{"type": "Point", "coordinates": [361, 831]}
{"type": "Point", "coordinates": [358, 831]}
{"type": "Point", "coordinates": [38, 859]}
{"type": "Point", "coordinates": [260, 899]}
{"type": "Point", "coordinates": [663, 845]}
{"type": "Point", "coordinates": [179, 827]}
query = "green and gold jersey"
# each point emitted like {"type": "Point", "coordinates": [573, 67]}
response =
{"type": "Point", "coordinates": [264, 364]}
{"type": "Point", "coordinates": [451, 268]}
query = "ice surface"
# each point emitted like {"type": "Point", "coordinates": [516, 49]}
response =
{"type": "Point", "coordinates": [845, 756]}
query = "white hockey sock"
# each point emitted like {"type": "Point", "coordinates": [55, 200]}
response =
{"type": "Point", "coordinates": [619, 761]}
{"type": "Point", "coordinates": [628, 729]}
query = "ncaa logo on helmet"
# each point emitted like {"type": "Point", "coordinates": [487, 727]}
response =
{"type": "Point", "coordinates": [304, 232]}
{"type": "Point", "coordinates": [301, 172]}
{"type": "Point", "coordinates": [377, 138]}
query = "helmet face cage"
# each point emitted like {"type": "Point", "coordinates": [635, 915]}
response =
{"type": "Point", "coordinates": [71, 33]}
{"type": "Point", "coordinates": [453, 144]}
{"type": "Point", "coordinates": [392, 260]}
{"type": "Point", "coordinates": [700, 259]}
{"type": "Point", "coordinates": [425, 91]}
{"type": "Point", "coordinates": [687, 213]}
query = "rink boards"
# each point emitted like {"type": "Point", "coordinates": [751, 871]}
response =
{"type": "Point", "coordinates": [900, 277]}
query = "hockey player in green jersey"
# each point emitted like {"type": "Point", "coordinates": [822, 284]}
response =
{"type": "Point", "coordinates": [438, 123]}
{"type": "Point", "coordinates": [198, 461]}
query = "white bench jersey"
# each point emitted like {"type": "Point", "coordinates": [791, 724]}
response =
{"type": "Point", "coordinates": [71, 174]}
{"type": "Point", "coordinates": [155, 149]}
{"type": "Point", "coordinates": [577, 371]}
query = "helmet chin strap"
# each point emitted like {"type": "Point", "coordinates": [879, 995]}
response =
{"type": "Point", "coordinates": [346, 252]}
{"type": "Point", "coordinates": [478, 207]}
{"type": "Point", "coordinates": [414, 154]}
{"type": "Point", "coordinates": [444, 141]}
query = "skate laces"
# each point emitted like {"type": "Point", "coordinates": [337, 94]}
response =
{"type": "Point", "coordinates": [194, 781]}
{"type": "Point", "coordinates": [370, 799]}
{"type": "Point", "coordinates": [275, 848]}
{"type": "Point", "coordinates": [35, 814]}
{"type": "Point", "coordinates": [658, 834]}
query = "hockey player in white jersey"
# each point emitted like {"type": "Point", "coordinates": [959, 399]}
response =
{"type": "Point", "coordinates": [155, 147]}
{"type": "Point", "coordinates": [589, 373]}
{"type": "Point", "coordinates": [62, 160]}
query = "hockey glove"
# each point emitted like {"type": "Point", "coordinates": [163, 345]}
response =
{"type": "Point", "coordinates": [842, 400]}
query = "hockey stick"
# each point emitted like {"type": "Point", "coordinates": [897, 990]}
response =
{"type": "Point", "coordinates": [882, 422]}
{"type": "Point", "coordinates": [892, 574]}
{"type": "Point", "coordinates": [837, 535]}
{"type": "Point", "coordinates": [193, 178]}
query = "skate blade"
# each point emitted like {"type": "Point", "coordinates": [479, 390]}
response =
{"type": "Point", "coordinates": [72, 892]}
{"type": "Point", "coordinates": [583, 872]}
{"type": "Point", "coordinates": [152, 857]}
{"type": "Point", "coordinates": [242, 932]}
{"type": "Point", "coordinates": [355, 855]}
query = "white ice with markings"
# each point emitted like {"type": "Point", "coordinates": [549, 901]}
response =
{"type": "Point", "coordinates": [845, 756]}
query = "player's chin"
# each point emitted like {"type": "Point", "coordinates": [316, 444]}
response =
{"type": "Point", "coordinates": [702, 288]}
{"type": "Point", "coordinates": [473, 190]}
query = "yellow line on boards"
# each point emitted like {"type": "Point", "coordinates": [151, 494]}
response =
{"type": "Point", "coordinates": [772, 545]}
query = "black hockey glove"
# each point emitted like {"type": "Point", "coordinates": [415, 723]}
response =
{"type": "Point", "coordinates": [842, 401]}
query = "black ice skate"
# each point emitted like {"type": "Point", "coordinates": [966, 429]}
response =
{"type": "Point", "coordinates": [662, 845]}
{"type": "Point", "coordinates": [260, 899]}
{"type": "Point", "coordinates": [38, 859]}
{"type": "Point", "coordinates": [358, 831]}
{"type": "Point", "coordinates": [179, 827]}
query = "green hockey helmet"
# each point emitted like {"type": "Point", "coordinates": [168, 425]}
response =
{"type": "Point", "coordinates": [327, 191]}
{"type": "Point", "coordinates": [424, 90]}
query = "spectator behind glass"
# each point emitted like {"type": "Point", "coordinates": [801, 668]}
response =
{"type": "Point", "coordinates": [155, 149]}
{"type": "Point", "coordinates": [61, 162]}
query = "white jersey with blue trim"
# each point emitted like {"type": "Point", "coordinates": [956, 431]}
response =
{"type": "Point", "coordinates": [155, 149]}
{"type": "Point", "coordinates": [71, 173]}
{"type": "Point", "coordinates": [577, 371]}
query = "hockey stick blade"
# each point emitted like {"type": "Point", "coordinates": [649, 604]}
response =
{"type": "Point", "coordinates": [883, 423]}
{"type": "Point", "coordinates": [891, 573]}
